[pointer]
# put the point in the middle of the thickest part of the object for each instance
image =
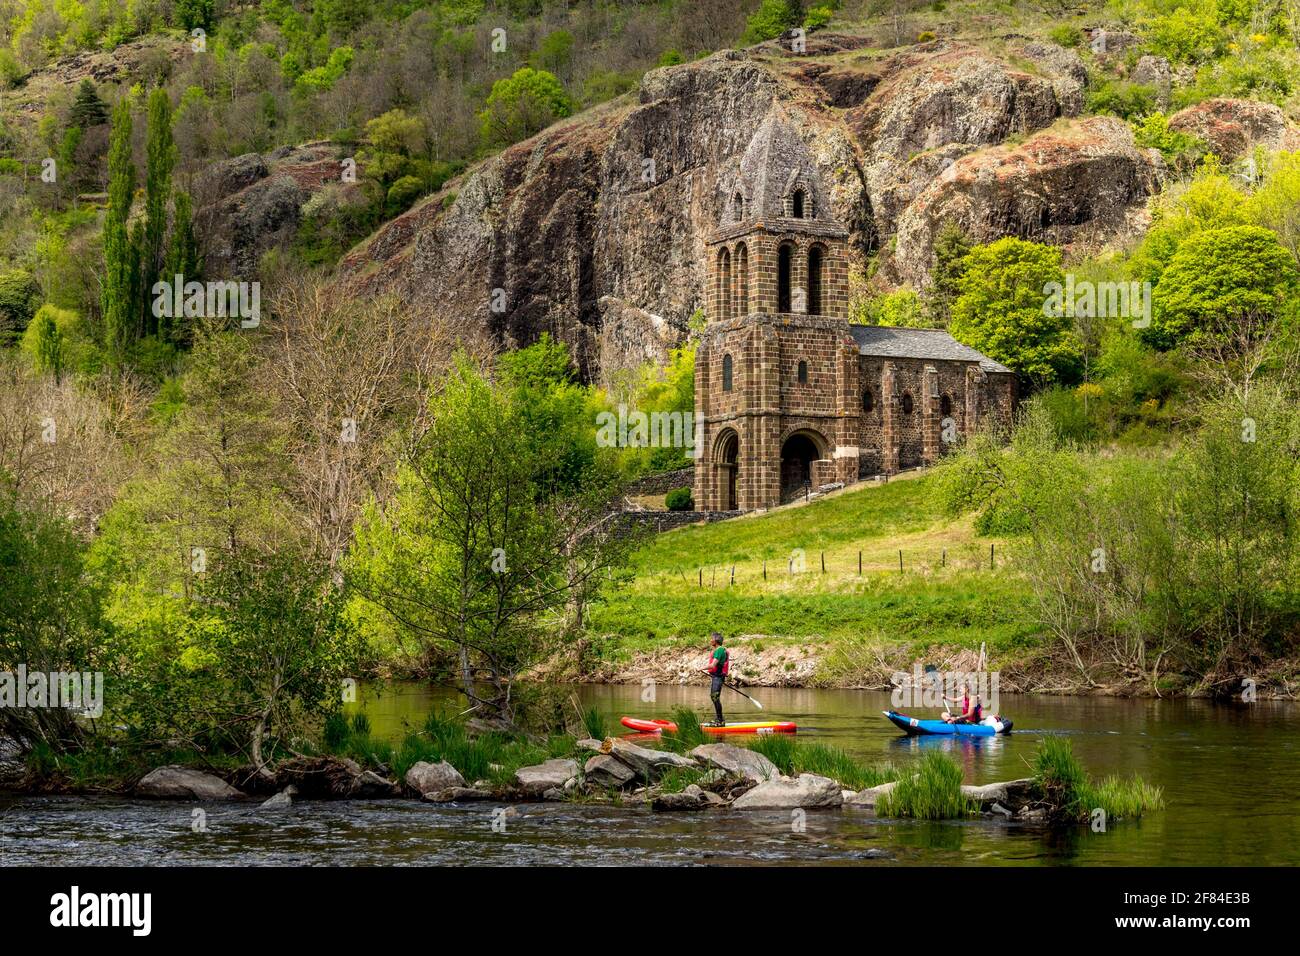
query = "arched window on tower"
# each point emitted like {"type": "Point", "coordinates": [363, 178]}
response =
{"type": "Point", "coordinates": [907, 403]}
{"type": "Point", "coordinates": [726, 373]}
{"type": "Point", "coordinates": [797, 204]}
{"type": "Point", "coordinates": [803, 373]}
{"type": "Point", "coordinates": [784, 256]}
{"type": "Point", "coordinates": [945, 405]}
{"type": "Point", "coordinates": [738, 207]}
{"type": "Point", "coordinates": [724, 284]}
{"type": "Point", "coordinates": [815, 280]}
{"type": "Point", "coordinates": [742, 280]}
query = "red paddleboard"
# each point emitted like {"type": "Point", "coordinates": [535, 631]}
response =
{"type": "Point", "coordinates": [751, 727]}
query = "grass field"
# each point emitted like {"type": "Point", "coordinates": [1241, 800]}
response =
{"type": "Point", "coordinates": [945, 593]}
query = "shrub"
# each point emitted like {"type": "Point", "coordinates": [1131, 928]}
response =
{"type": "Point", "coordinates": [19, 297]}
{"type": "Point", "coordinates": [1126, 100]}
{"type": "Point", "coordinates": [771, 19]}
{"type": "Point", "coordinates": [679, 499]}
{"type": "Point", "coordinates": [1065, 35]}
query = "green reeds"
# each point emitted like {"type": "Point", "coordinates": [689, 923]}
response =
{"type": "Point", "coordinates": [594, 724]}
{"type": "Point", "coordinates": [793, 756]}
{"type": "Point", "coordinates": [933, 792]}
{"type": "Point", "coordinates": [689, 733]}
{"type": "Point", "coordinates": [1070, 794]}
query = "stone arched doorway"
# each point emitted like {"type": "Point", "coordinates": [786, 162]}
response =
{"type": "Point", "coordinates": [798, 452]}
{"type": "Point", "coordinates": [727, 469]}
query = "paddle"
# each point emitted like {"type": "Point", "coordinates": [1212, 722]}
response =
{"type": "Point", "coordinates": [744, 695]}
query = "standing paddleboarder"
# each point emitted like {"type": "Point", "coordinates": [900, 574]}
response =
{"type": "Point", "coordinates": [719, 667]}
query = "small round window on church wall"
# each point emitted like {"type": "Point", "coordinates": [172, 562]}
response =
{"type": "Point", "coordinates": [867, 403]}
{"type": "Point", "coordinates": [907, 404]}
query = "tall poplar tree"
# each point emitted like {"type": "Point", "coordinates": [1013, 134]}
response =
{"type": "Point", "coordinates": [160, 158]}
{"type": "Point", "coordinates": [120, 257]}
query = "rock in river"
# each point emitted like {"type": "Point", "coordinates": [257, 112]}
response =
{"type": "Point", "coordinates": [648, 764]}
{"type": "Point", "coordinates": [603, 770]}
{"type": "Point", "coordinates": [737, 760]}
{"type": "Point", "coordinates": [553, 774]}
{"type": "Point", "coordinates": [181, 783]}
{"type": "Point", "coordinates": [425, 778]}
{"type": "Point", "coordinates": [786, 793]}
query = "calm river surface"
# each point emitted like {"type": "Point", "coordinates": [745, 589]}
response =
{"type": "Point", "coordinates": [1231, 777]}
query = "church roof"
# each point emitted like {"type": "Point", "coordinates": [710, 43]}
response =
{"type": "Point", "coordinates": [934, 344]}
{"type": "Point", "coordinates": [779, 185]}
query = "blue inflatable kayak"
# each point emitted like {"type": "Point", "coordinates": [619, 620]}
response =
{"type": "Point", "coordinates": [915, 726]}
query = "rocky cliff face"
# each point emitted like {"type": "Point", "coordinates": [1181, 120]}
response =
{"type": "Point", "coordinates": [594, 229]}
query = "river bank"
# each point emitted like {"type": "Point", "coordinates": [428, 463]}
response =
{"type": "Point", "coordinates": [871, 664]}
{"type": "Point", "coordinates": [1228, 773]}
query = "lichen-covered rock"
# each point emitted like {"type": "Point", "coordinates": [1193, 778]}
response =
{"type": "Point", "coordinates": [1082, 181]}
{"type": "Point", "coordinates": [1232, 127]}
{"type": "Point", "coordinates": [249, 204]}
{"type": "Point", "coordinates": [594, 229]}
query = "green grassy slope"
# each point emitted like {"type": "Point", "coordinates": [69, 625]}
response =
{"type": "Point", "coordinates": [946, 593]}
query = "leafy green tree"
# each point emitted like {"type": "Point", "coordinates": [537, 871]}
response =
{"type": "Point", "coordinates": [1220, 276]}
{"type": "Point", "coordinates": [121, 257]}
{"type": "Point", "coordinates": [1275, 204]}
{"type": "Point", "coordinates": [190, 14]}
{"type": "Point", "coordinates": [50, 619]}
{"type": "Point", "coordinates": [555, 53]}
{"type": "Point", "coordinates": [272, 631]}
{"type": "Point", "coordinates": [521, 105]}
{"type": "Point", "coordinates": [1002, 308]}
{"type": "Point", "coordinates": [485, 539]}
{"type": "Point", "coordinates": [901, 308]}
{"type": "Point", "coordinates": [771, 19]}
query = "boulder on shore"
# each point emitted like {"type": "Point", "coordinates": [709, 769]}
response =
{"type": "Point", "coordinates": [553, 774]}
{"type": "Point", "coordinates": [869, 797]}
{"type": "Point", "coordinates": [425, 778]}
{"type": "Point", "coordinates": [737, 760]}
{"type": "Point", "coordinates": [1011, 795]}
{"type": "Point", "coordinates": [786, 793]}
{"type": "Point", "coordinates": [602, 770]}
{"type": "Point", "coordinates": [649, 764]}
{"type": "Point", "coordinates": [181, 783]}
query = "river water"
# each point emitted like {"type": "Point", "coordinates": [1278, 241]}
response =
{"type": "Point", "coordinates": [1231, 779]}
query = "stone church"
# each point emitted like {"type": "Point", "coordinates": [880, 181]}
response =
{"type": "Point", "coordinates": [791, 396]}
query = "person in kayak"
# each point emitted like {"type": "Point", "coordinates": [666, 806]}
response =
{"type": "Point", "coordinates": [718, 669]}
{"type": "Point", "coordinates": [972, 712]}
